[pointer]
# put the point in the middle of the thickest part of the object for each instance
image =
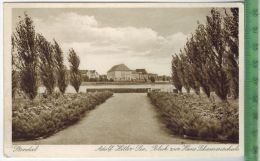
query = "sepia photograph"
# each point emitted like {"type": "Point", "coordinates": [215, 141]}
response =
{"type": "Point", "coordinates": [107, 74]}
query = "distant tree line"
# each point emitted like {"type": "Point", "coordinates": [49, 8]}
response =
{"type": "Point", "coordinates": [210, 58]}
{"type": "Point", "coordinates": [34, 58]}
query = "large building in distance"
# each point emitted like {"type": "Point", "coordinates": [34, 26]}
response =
{"type": "Point", "coordinates": [121, 72]}
{"type": "Point", "coordinates": [143, 75]}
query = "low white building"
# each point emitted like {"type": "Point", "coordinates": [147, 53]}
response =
{"type": "Point", "coordinates": [92, 74]}
{"type": "Point", "coordinates": [89, 74]}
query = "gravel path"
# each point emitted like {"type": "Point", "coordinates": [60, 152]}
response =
{"type": "Point", "coordinates": [123, 119]}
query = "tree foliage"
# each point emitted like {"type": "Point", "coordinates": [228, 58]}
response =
{"type": "Point", "coordinates": [231, 38]}
{"type": "Point", "coordinates": [25, 43]}
{"type": "Point", "coordinates": [197, 51]}
{"type": "Point", "coordinates": [46, 63]}
{"type": "Point", "coordinates": [75, 75]}
{"type": "Point", "coordinates": [60, 68]}
{"type": "Point", "coordinates": [217, 57]}
{"type": "Point", "coordinates": [152, 79]}
{"type": "Point", "coordinates": [14, 71]}
{"type": "Point", "coordinates": [33, 56]}
{"type": "Point", "coordinates": [209, 59]}
{"type": "Point", "coordinates": [176, 74]}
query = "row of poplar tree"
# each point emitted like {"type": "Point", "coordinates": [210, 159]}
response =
{"type": "Point", "coordinates": [36, 60]}
{"type": "Point", "coordinates": [210, 57]}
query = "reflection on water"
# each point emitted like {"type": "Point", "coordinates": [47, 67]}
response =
{"type": "Point", "coordinates": [162, 87]}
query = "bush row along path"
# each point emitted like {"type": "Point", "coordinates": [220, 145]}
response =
{"type": "Point", "coordinates": [123, 119]}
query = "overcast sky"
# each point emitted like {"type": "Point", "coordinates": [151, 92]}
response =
{"type": "Point", "coordinates": [102, 37]}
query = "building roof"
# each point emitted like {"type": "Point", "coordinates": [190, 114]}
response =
{"type": "Point", "coordinates": [119, 67]}
{"type": "Point", "coordinates": [143, 71]}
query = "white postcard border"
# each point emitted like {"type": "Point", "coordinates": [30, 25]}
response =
{"type": "Point", "coordinates": [90, 150]}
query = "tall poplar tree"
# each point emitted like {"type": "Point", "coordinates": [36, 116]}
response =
{"type": "Point", "coordinates": [217, 74]}
{"type": "Point", "coordinates": [196, 51]}
{"type": "Point", "coordinates": [25, 43]}
{"type": "Point", "coordinates": [176, 73]}
{"type": "Point", "coordinates": [75, 75]}
{"type": "Point", "coordinates": [46, 63]}
{"type": "Point", "coordinates": [60, 68]}
{"type": "Point", "coordinates": [232, 53]}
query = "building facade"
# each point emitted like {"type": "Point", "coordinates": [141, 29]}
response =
{"type": "Point", "coordinates": [119, 72]}
{"type": "Point", "coordinates": [88, 75]}
{"type": "Point", "coordinates": [92, 74]}
{"type": "Point", "coordinates": [143, 75]}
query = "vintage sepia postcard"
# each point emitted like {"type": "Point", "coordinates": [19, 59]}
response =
{"type": "Point", "coordinates": [123, 79]}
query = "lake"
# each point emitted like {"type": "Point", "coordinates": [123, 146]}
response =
{"type": "Point", "coordinates": [162, 87]}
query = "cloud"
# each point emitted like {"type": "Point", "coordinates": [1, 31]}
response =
{"type": "Point", "coordinates": [177, 40]}
{"type": "Point", "coordinates": [100, 47]}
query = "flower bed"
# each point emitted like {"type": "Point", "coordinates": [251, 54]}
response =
{"type": "Point", "coordinates": [196, 117]}
{"type": "Point", "coordinates": [45, 116]}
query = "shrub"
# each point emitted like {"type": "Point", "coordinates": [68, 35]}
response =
{"type": "Point", "coordinates": [196, 117]}
{"type": "Point", "coordinates": [44, 116]}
